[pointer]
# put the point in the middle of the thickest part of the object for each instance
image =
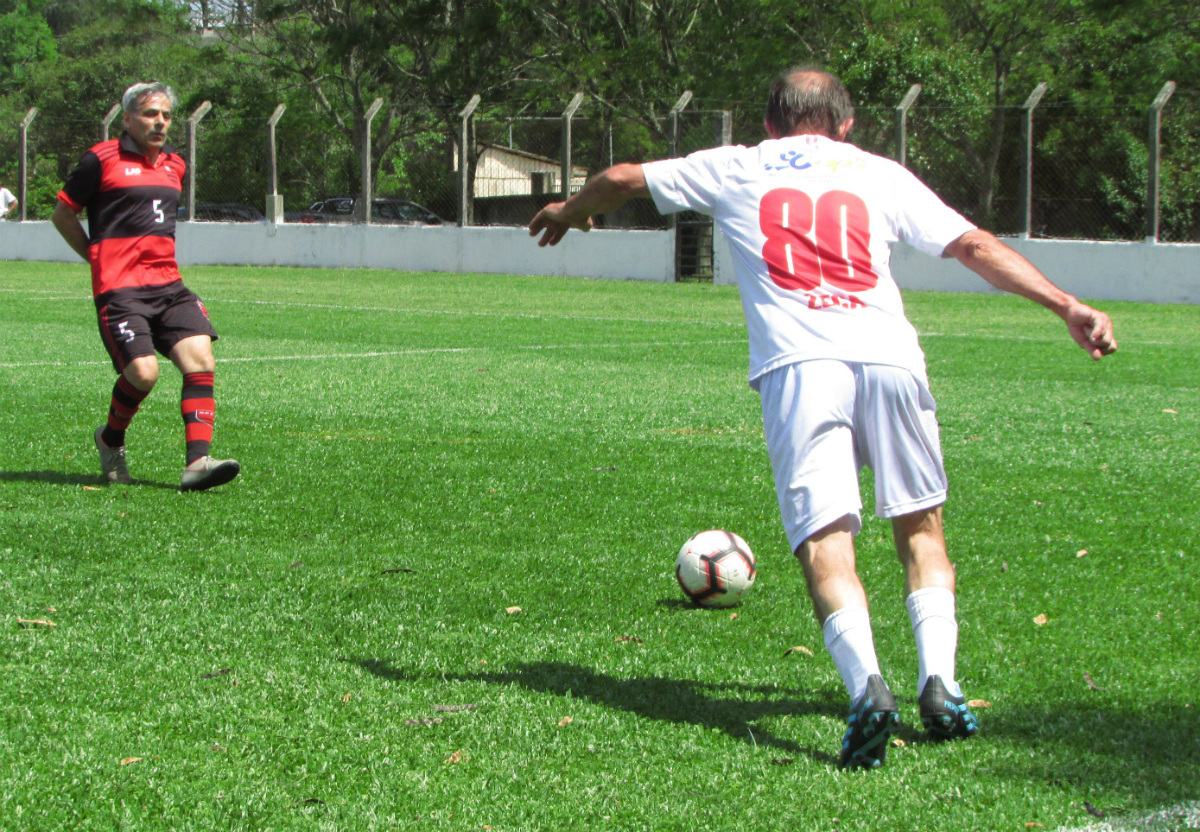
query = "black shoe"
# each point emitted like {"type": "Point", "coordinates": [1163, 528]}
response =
{"type": "Point", "coordinates": [871, 721]}
{"type": "Point", "coordinates": [945, 717]}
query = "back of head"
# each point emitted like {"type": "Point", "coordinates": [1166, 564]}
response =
{"type": "Point", "coordinates": [136, 94]}
{"type": "Point", "coordinates": [808, 100]}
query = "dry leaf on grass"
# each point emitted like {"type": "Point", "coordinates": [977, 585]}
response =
{"type": "Point", "coordinates": [91, 488]}
{"type": "Point", "coordinates": [979, 703]}
{"type": "Point", "coordinates": [1169, 410]}
{"type": "Point", "coordinates": [1041, 619]}
{"type": "Point", "coordinates": [1092, 684]}
{"type": "Point", "coordinates": [425, 721]}
{"type": "Point", "coordinates": [633, 639]}
{"type": "Point", "coordinates": [1081, 553]}
{"type": "Point", "coordinates": [456, 757]}
{"type": "Point", "coordinates": [899, 743]}
{"type": "Point", "coordinates": [566, 720]}
{"type": "Point", "coordinates": [512, 610]}
{"type": "Point", "coordinates": [1033, 824]}
{"type": "Point", "coordinates": [216, 673]}
{"type": "Point", "coordinates": [797, 649]}
{"type": "Point", "coordinates": [36, 622]}
{"type": "Point", "coordinates": [783, 761]}
{"type": "Point", "coordinates": [732, 616]}
{"type": "Point", "coordinates": [346, 698]}
{"type": "Point", "coordinates": [129, 760]}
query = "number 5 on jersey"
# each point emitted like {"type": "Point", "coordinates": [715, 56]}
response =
{"type": "Point", "coordinates": [838, 251]}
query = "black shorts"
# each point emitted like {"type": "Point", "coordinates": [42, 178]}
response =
{"type": "Point", "coordinates": [139, 322]}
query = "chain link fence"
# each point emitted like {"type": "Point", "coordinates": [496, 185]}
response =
{"type": "Point", "coordinates": [1090, 170]}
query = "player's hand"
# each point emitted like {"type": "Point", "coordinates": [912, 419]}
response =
{"type": "Point", "coordinates": [552, 222]}
{"type": "Point", "coordinates": [1092, 330]}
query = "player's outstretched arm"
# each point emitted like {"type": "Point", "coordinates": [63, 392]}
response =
{"type": "Point", "coordinates": [66, 220]}
{"type": "Point", "coordinates": [1006, 269]}
{"type": "Point", "coordinates": [607, 191]}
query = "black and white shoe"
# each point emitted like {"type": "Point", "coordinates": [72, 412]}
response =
{"type": "Point", "coordinates": [207, 472]}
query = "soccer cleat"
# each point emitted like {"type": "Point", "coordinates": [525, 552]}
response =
{"type": "Point", "coordinates": [871, 721]}
{"type": "Point", "coordinates": [944, 716]}
{"type": "Point", "coordinates": [207, 472]}
{"type": "Point", "coordinates": [112, 460]}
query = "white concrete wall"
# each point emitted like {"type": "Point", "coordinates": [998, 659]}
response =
{"type": "Point", "coordinates": [1156, 273]}
{"type": "Point", "coordinates": [1163, 273]}
{"type": "Point", "coordinates": [617, 255]}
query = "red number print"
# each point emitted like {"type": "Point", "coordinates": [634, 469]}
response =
{"type": "Point", "coordinates": [841, 252]}
{"type": "Point", "coordinates": [785, 215]}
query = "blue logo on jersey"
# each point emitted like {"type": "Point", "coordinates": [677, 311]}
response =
{"type": "Point", "coordinates": [792, 160]}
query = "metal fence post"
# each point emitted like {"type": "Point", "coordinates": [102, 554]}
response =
{"type": "Point", "coordinates": [466, 202]}
{"type": "Point", "coordinates": [108, 120]}
{"type": "Point", "coordinates": [362, 210]}
{"type": "Point", "coordinates": [567, 115]}
{"type": "Point", "coordinates": [724, 128]}
{"type": "Point", "coordinates": [23, 160]}
{"type": "Point", "coordinates": [274, 200]}
{"type": "Point", "coordinates": [1027, 159]}
{"type": "Point", "coordinates": [675, 111]}
{"type": "Point", "coordinates": [902, 109]}
{"type": "Point", "coordinates": [200, 113]}
{"type": "Point", "coordinates": [1155, 161]}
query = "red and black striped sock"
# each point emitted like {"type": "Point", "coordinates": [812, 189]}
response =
{"type": "Point", "coordinates": [126, 399]}
{"type": "Point", "coordinates": [198, 409]}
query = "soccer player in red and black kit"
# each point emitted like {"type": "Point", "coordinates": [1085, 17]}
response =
{"type": "Point", "coordinates": [130, 187]}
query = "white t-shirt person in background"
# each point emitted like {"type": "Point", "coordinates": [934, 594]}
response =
{"type": "Point", "coordinates": [7, 201]}
{"type": "Point", "coordinates": [810, 219]}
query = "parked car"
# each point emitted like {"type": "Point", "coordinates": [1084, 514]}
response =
{"type": "Point", "coordinates": [223, 212]}
{"type": "Point", "coordinates": [384, 211]}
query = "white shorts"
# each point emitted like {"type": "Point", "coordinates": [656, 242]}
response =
{"type": "Point", "coordinates": [824, 420]}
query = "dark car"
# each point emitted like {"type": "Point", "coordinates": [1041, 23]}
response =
{"type": "Point", "coordinates": [223, 212]}
{"type": "Point", "coordinates": [384, 211]}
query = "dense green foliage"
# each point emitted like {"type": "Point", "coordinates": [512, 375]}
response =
{"type": "Point", "coordinates": [977, 61]}
{"type": "Point", "coordinates": [423, 452]}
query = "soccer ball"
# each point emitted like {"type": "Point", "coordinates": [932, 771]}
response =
{"type": "Point", "coordinates": [715, 569]}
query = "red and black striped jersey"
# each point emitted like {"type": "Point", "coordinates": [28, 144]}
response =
{"type": "Point", "coordinates": [131, 207]}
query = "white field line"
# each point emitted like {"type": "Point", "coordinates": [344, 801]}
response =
{"type": "Point", "coordinates": [390, 353]}
{"type": "Point", "coordinates": [1170, 819]}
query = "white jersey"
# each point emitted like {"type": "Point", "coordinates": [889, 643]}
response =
{"type": "Point", "coordinates": [7, 200]}
{"type": "Point", "coordinates": [810, 222]}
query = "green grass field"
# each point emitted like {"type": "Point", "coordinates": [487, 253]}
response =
{"type": "Point", "coordinates": [329, 642]}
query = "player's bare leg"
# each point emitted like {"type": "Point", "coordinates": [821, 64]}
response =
{"type": "Point", "coordinates": [840, 604]}
{"type": "Point", "coordinates": [929, 583]}
{"type": "Point", "coordinates": [194, 358]}
{"type": "Point", "coordinates": [133, 385]}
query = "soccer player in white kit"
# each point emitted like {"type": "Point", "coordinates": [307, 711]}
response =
{"type": "Point", "coordinates": [841, 376]}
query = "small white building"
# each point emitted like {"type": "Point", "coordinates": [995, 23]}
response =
{"type": "Point", "coordinates": [506, 171]}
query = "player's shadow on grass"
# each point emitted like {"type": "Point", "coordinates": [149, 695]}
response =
{"type": "Point", "coordinates": [60, 478]}
{"type": "Point", "coordinates": [669, 700]}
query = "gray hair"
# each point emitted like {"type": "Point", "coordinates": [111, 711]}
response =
{"type": "Point", "coordinates": [808, 98]}
{"type": "Point", "coordinates": [138, 93]}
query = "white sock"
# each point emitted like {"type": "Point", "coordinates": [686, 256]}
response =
{"type": "Point", "coordinates": [935, 629]}
{"type": "Point", "coordinates": [849, 642]}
